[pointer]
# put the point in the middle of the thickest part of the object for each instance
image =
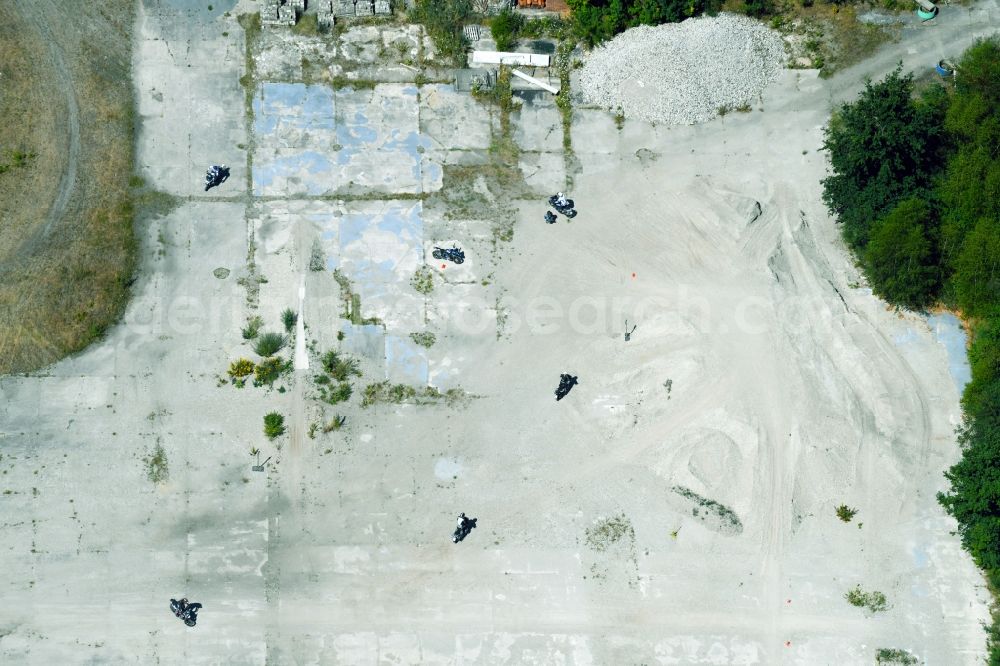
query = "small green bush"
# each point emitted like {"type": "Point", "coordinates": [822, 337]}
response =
{"type": "Point", "coordinates": [424, 338]}
{"type": "Point", "coordinates": [270, 344]}
{"type": "Point", "coordinates": [289, 319]}
{"type": "Point", "coordinates": [340, 394]}
{"type": "Point", "coordinates": [252, 328]}
{"type": "Point", "coordinates": [505, 28]}
{"type": "Point", "coordinates": [340, 368]}
{"type": "Point", "coordinates": [874, 601]}
{"type": "Point", "coordinates": [336, 423]}
{"type": "Point", "coordinates": [423, 280]}
{"type": "Point", "coordinates": [274, 425]}
{"type": "Point", "coordinates": [846, 513]}
{"type": "Point", "coordinates": [269, 370]}
{"type": "Point", "coordinates": [241, 367]}
{"type": "Point", "coordinates": [894, 656]}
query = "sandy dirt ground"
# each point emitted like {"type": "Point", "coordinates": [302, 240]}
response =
{"type": "Point", "coordinates": [761, 377]}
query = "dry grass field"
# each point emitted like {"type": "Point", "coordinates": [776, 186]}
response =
{"type": "Point", "coordinates": [67, 246]}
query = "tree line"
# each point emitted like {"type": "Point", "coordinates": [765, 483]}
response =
{"type": "Point", "coordinates": [915, 184]}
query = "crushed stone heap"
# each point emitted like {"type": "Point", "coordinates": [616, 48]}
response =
{"type": "Point", "coordinates": [683, 73]}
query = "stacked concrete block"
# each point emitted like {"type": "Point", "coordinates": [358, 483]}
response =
{"type": "Point", "coordinates": [325, 13]}
{"type": "Point", "coordinates": [383, 7]}
{"type": "Point", "coordinates": [279, 12]}
{"type": "Point", "coordinates": [364, 8]}
{"type": "Point", "coordinates": [343, 7]}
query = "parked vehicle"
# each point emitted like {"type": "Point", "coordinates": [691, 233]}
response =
{"type": "Point", "coordinates": [188, 612]}
{"type": "Point", "coordinates": [452, 254]}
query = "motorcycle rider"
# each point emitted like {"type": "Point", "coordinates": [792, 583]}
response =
{"type": "Point", "coordinates": [561, 200]}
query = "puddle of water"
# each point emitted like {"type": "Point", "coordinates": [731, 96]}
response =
{"type": "Point", "coordinates": [949, 332]}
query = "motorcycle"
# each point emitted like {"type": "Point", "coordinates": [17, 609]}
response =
{"type": "Point", "coordinates": [187, 612]}
{"type": "Point", "coordinates": [566, 384]}
{"type": "Point", "coordinates": [555, 203]}
{"type": "Point", "coordinates": [216, 176]}
{"type": "Point", "coordinates": [449, 253]}
{"type": "Point", "coordinates": [465, 527]}
{"type": "Point", "coordinates": [565, 206]}
{"type": "Point", "coordinates": [550, 217]}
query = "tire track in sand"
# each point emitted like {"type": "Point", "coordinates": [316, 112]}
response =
{"type": "Point", "coordinates": [31, 13]}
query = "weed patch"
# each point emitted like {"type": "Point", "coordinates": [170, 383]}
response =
{"type": "Point", "coordinates": [424, 339]}
{"type": "Point", "coordinates": [874, 601]}
{"type": "Point", "coordinates": [157, 469]}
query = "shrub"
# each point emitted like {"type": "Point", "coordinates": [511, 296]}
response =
{"type": "Point", "coordinates": [289, 318]}
{"type": "Point", "coordinates": [894, 656]}
{"type": "Point", "coordinates": [874, 601]}
{"type": "Point", "coordinates": [252, 328]}
{"type": "Point", "coordinates": [336, 423]}
{"type": "Point", "coordinates": [269, 370]}
{"type": "Point", "coordinates": [445, 22]}
{"type": "Point", "coordinates": [341, 393]}
{"type": "Point", "coordinates": [340, 368]}
{"type": "Point", "coordinates": [846, 513]}
{"type": "Point", "coordinates": [241, 367]}
{"type": "Point", "coordinates": [423, 280]}
{"type": "Point", "coordinates": [424, 338]}
{"type": "Point", "coordinates": [757, 8]}
{"type": "Point", "coordinates": [274, 425]}
{"type": "Point", "coordinates": [270, 344]}
{"type": "Point", "coordinates": [609, 531]}
{"type": "Point", "coordinates": [505, 28]}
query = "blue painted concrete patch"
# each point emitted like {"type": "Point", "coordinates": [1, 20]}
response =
{"type": "Point", "coordinates": [949, 332]}
{"type": "Point", "coordinates": [405, 361]}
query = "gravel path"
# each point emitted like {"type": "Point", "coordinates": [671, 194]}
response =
{"type": "Point", "coordinates": [682, 73]}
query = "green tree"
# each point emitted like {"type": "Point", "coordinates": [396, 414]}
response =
{"type": "Point", "coordinates": [757, 8]}
{"type": "Point", "coordinates": [977, 270]}
{"type": "Point", "coordinates": [900, 260]}
{"type": "Point", "coordinates": [883, 148]}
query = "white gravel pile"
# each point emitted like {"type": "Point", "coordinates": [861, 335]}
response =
{"type": "Point", "coordinates": [683, 73]}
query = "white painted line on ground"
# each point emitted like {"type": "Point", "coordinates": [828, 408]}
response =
{"type": "Point", "coordinates": [301, 359]}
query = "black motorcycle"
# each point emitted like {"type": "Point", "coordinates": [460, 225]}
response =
{"type": "Point", "coordinates": [566, 384]}
{"type": "Point", "coordinates": [550, 217]}
{"type": "Point", "coordinates": [554, 202]}
{"type": "Point", "coordinates": [465, 527]}
{"type": "Point", "coordinates": [216, 176]}
{"type": "Point", "coordinates": [452, 254]}
{"type": "Point", "coordinates": [188, 612]}
{"type": "Point", "coordinates": [565, 208]}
